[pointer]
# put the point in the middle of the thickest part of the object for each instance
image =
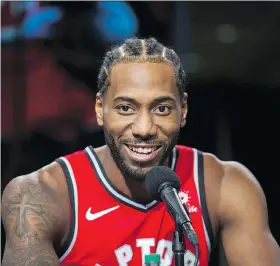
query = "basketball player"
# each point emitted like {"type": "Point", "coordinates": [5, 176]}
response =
{"type": "Point", "coordinates": [91, 207]}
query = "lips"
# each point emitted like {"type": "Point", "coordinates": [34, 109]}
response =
{"type": "Point", "coordinates": [142, 153]}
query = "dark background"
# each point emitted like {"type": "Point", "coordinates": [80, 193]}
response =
{"type": "Point", "coordinates": [51, 54]}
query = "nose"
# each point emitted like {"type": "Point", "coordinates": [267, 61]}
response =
{"type": "Point", "coordinates": [144, 127]}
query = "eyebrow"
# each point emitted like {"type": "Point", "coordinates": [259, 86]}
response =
{"type": "Point", "coordinates": [156, 101]}
{"type": "Point", "coordinates": [162, 99]}
{"type": "Point", "coordinates": [124, 99]}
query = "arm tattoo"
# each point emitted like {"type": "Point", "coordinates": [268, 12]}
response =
{"type": "Point", "coordinates": [31, 216]}
{"type": "Point", "coordinates": [31, 255]}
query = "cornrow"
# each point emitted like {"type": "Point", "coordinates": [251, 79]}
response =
{"type": "Point", "coordinates": [141, 50]}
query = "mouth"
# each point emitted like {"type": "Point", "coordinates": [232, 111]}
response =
{"type": "Point", "coordinates": [142, 153]}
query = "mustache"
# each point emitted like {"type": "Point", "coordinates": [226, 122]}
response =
{"type": "Point", "coordinates": [140, 141]}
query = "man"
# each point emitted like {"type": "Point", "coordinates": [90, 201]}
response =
{"type": "Point", "coordinates": [92, 207]}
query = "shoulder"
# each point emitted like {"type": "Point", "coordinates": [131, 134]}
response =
{"type": "Point", "coordinates": [50, 176]}
{"type": "Point", "coordinates": [237, 188]}
{"type": "Point", "coordinates": [229, 172]}
{"type": "Point", "coordinates": [241, 195]}
{"type": "Point", "coordinates": [228, 175]}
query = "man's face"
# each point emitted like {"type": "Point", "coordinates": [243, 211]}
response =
{"type": "Point", "coordinates": [141, 113]}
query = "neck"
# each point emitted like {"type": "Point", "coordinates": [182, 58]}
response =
{"type": "Point", "coordinates": [132, 188]}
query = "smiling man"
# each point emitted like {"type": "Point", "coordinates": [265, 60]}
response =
{"type": "Point", "coordinates": [92, 207]}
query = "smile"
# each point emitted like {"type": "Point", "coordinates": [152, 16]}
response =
{"type": "Point", "coordinates": [142, 153]}
{"type": "Point", "coordinates": [142, 149]}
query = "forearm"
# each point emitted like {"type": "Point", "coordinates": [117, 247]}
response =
{"type": "Point", "coordinates": [42, 254]}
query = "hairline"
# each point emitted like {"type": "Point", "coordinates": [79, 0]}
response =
{"type": "Point", "coordinates": [155, 59]}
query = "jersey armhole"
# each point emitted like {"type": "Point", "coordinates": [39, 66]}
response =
{"type": "Point", "coordinates": [203, 203]}
{"type": "Point", "coordinates": [68, 243]}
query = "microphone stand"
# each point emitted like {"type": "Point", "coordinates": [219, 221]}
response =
{"type": "Point", "coordinates": [179, 245]}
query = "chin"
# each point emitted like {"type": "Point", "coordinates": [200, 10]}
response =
{"type": "Point", "coordinates": [137, 172]}
{"type": "Point", "coordinates": [145, 167]}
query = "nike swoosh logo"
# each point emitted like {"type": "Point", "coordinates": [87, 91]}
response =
{"type": "Point", "coordinates": [92, 216]}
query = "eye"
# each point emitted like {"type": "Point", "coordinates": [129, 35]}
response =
{"type": "Point", "coordinates": [124, 109]}
{"type": "Point", "coordinates": [163, 110]}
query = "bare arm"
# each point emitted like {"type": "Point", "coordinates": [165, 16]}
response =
{"type": "Point", "coordinates": [246, 235]}
{"type": "Point", "coordinates": [33, 218]}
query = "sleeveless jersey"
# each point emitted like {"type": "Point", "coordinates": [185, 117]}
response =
{"type": "Point", "coordinates": [108, 228]}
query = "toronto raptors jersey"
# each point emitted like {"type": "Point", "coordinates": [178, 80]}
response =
{"type": "Point", "coordinates": [108, 228]}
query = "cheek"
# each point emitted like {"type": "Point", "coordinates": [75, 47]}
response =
{"type": "Point", "coordinates": [116, 124]}
{"type": "Point", "coordinates": [169, 126]}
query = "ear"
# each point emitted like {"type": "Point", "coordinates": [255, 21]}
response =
{"type": "Point", "coordinates": [184, 109]}
{"type": "Point", "coordinates": [99, 109]}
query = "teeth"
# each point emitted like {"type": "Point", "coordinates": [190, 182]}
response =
{"type": "Point", "coordinates": [143, 150]}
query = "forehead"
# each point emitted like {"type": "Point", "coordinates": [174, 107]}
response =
{"type": "Point", "coordinates": [146, 78]}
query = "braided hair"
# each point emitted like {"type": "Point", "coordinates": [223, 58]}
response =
{"type": "Point", "coordinates": [141, 50]}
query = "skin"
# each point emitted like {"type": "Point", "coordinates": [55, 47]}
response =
{"type": "Point", "coordinates": [142, 108]}
{"type": "Point", "coordinates": [34, 213]}
{"type": "Point", "coordinates": [35, 207]}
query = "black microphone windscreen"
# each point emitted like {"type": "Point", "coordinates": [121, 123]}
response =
{"type": "Point", "coordinates": [159, 175]}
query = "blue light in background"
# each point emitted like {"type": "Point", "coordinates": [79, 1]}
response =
{"type": "Point", "coordinates": [37, 22]}
{"type": "Point", "coordinates": [115, 21]}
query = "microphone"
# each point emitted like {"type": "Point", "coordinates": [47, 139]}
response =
{"type": "Point", "coordinates": [162, 184]}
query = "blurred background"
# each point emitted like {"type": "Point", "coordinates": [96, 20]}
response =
{"type": "Point", "coordinates": [52, 51]}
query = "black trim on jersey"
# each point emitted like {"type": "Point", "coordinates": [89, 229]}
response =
{"type": "Point", "coordinates": [203, 203]}
{"type": "Point", "coordinates": [144, 209]}
{"type": "Point", "coordinates": [176, 159]}
{"type": "Point", "coordinates": [117, 192]}
{"type": "Point", "coordinates": [62, 249]}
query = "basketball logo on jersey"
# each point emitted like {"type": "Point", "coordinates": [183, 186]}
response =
{"type": "Point", "coordinates": [185, 199]}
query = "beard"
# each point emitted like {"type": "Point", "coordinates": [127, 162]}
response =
{"type": "Point", "coordinates": [137, 171]}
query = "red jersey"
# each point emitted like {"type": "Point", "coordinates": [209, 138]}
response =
{"type": "Point", "coordinates": [109, 228]}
